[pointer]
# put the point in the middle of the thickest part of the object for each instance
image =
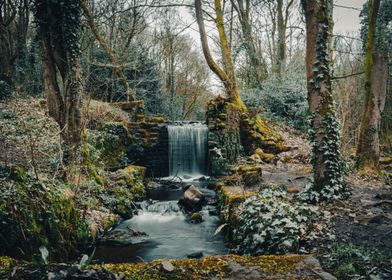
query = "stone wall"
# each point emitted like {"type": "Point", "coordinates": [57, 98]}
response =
{"type": "Point", "coordinates": [139, 140]}
{"type": "Point", "coordinates": [149, 146]}
{"type": "Point", "coordinates": [224, 147]}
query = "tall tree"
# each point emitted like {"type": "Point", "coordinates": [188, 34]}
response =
{"type": "Point", "coordinates": [376, 76]}
{"type": "Point", "coordinates": [106, 47]}
{"type": "Point", "coordinates": [282, 19]}
{"type": "Point", "coordinates": [327, 170]}
{"type": "Point", "coordinates": [59, 28]}
{"type": "Point", "coordinates": [226, 74]}
{"type": "Point", "coordinates": [243, 8]}
{"type": "Point", "coordinates": [14, 23]}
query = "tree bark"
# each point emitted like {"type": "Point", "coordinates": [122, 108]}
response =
{"type": "Point", "coordinates": [325, 129]}
{"type": "Point", "coordinates": [258, 67]}
{"type": "Point", "coordinates": [61, 57]}
{"type": "Point", "coordinates": [369, 141]}
{"type": "Point", "coordinates": [226, 75]}
{"type": "Point", "coordinates": [368, 150]}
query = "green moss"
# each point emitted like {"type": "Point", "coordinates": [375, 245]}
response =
{"type": "Point", "coordinates": [196, 217]}
{"type": "Point", "coordinates": [35, 213]}
{"type": "Point", "coordinates": [206, 268]}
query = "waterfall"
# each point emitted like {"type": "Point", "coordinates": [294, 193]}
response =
{"type": "Point", "coordinates": [188, 149]}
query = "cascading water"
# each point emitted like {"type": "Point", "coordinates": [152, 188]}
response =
{"type": "Point", "coordinates": [170, 232]}
{"type": "Point", "coordinates": [188, 150]}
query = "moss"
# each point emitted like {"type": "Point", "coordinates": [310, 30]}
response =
{"type": "Point", "coordinates": [133, 177]}
{"type": "Point", "coordinates": [250, 174]}
{"type": "Point", "coordinates": [206, 268]}
{"type": "Point", "coordinates": [196, 217]}
{"type": "Point", "coordinates": [6, 263]}
{"type": "Point", "coordinates": [108, 145]}
{"type": "Point", "coordinates": [385, 160]}
{"type": "Point", "coordinates": [255, 134]}
{"type": "Point", "coordinates": [35, 213]}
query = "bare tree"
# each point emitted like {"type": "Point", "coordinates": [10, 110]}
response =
{"type": "Point", "coordinates": [243, 9]}
{"type": "Point", "coordinates": [226, 75]}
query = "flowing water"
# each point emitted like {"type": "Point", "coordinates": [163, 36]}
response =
{"type": "Point", "coordinates": [171, 234]}
{"type": "Point", "coordinates": [188, 150]}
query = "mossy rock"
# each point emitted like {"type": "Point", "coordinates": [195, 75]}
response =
{"type": "Point", "coordinates": [256, 133]}
{"type": "Point", "coordinates": [266, 157]}
{"type": "Point", "coordinates": [230, 197]}
{"type": "Point", "coordinates": [250, 174]}
{"type": "Point", "coordinates": [125, 186]}
{"type": "Point", "coordinates": [196, 217]}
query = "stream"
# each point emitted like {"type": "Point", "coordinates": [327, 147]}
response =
{"type": "Point", "coordinates": [171, 234]}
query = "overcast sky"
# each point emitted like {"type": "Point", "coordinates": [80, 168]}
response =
{"type": "Point", "coordinates": [347, 20]}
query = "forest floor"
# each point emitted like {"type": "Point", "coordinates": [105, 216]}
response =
{"type": "Point", "coordinates": [361, 225]}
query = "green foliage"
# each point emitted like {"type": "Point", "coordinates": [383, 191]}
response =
{"type": "Point", "coordinates": [283, 100]}
{"type": "Point", "coordinates": [271, 223]}
{"type": "Point", "coordinates": [107, 146]}
{"type": "Point", "coordinates": [348, 261]}
{"type": "Point", "coordinates": [5, 90]}
{"type": "Point", "coordinates": [36, 213]}
{"type": "Point", "coordinates": [141, 71]}
{"type": "Point", "coordinates": [383, 35]}
{"type": "Point", "coordinates": [333, 187]}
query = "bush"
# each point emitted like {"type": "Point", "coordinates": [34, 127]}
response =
{"type": "Point", "coordinates": [348, 261]}
{"type": "Point", "coordinates": [5, 90]}
{"type": "Point", "coordinates": [34, 213]}
{"type": "Point", "coordinates": [270, 223]}
{"type": "Point", "coordinates": [283, 100]}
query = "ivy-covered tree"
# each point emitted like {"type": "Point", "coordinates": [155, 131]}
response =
{"type": "Point", "coordinates": [328, 181]}
{"type": "Point", "coordinates": [375, 32]}
{"type": "Point", "coordinates": [59, 28]}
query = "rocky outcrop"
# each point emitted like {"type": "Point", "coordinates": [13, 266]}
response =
{"type": "Point", "coordinates": [233, 131]}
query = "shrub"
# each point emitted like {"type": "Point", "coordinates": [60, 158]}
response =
{"type": "Point", "coordinates": [5, 90]}
{"type": "Point", "coordinates": [347, 261]}
{"type": "Point", "coordinates": [283, 100]}
{"type": "Point", "coordinates": [35, 213]}
{"type": "Point", "coordinates": [271, 223]}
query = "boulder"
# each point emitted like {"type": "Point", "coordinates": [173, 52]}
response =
{"type": "Point", "coordinates": [167, 266]}
{"type": "Point", "coordinates": [195, 255]}
{"type": "Point", "coordinates": [124, 237]}
{"type": "Point", "coordinates": [192, 199]}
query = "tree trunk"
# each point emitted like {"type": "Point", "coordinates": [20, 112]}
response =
{"type": "Point", "coordinates": [258, 68]}
{"type": "Point", "coordinates": [60, 54]}
{"type": "Point", "coordinates": [328, 178]}
{"type": "Point", "coordinates": [226, 75]}
{"type": "Point", "coordinates": [368, 150]}
{"type": "Point", "coordinates": [369, 142]}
